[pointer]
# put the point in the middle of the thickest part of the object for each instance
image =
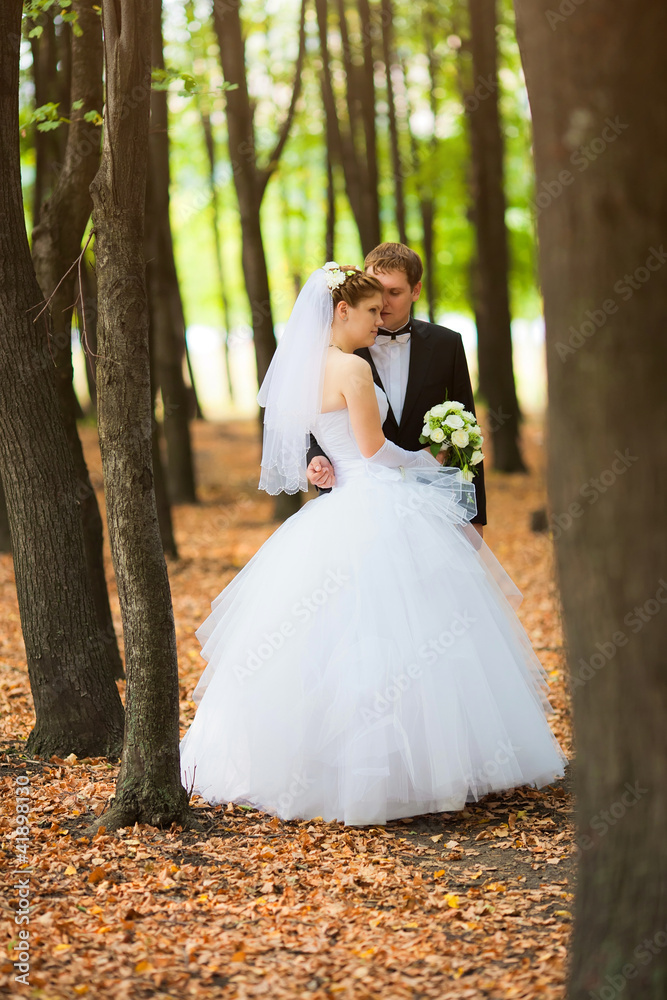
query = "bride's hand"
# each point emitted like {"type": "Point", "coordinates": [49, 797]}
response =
{"type": "Point", "coordinates": [440, 457]}
{"type": "Point", "coordinates": [320, 473]}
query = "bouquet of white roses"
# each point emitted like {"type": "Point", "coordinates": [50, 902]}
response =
{"type": "Point", "coordinates": [449, 426]}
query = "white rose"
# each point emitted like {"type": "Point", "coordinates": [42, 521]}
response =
{"type": "Point", "coordinates": [426, 430]}
{"type": "Point", "coordinates": [453, 420]}
{"type": "Point", "coordinates": [460, 438]}
{"type": "Point", "coordinates": [469, 416]}
{"type": "Point", "coordinates": [453, 405]}
{"type": "Point", "coordinates": [467, 475]}
{"type": "Point", "coordinates": [330, 265]}
{"type": "Point", "coordinates": [438, 435]}
{"type": "Point", "coordinates": [476, 458]}
{"type": "Point", "coordinates": [437, 411]}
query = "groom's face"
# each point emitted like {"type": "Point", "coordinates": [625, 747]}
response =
{"type": "Point", "coordinates": [397, 299]}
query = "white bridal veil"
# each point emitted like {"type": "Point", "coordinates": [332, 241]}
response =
{"type": "Point", "coordinates": [291, 392]}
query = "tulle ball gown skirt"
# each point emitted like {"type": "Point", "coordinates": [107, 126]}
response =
{"type": "Point", "coordinates": [367, 664]}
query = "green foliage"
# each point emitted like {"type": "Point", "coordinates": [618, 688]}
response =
{"type": "Point", "coordinates": [33, 10]}
{"type": "Point", "coordinates": [433, 137]}
{"type": "Point", "coordinates": [47, 117]}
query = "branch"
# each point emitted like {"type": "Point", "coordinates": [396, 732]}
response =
{"type": "Point", "coordinates": [265, 174]}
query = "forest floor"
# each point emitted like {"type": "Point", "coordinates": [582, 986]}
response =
{"type": "Point", "coordinates": [472, 904]}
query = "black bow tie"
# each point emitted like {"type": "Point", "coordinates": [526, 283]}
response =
{"type": "Point", "coordinates": [395, 333]}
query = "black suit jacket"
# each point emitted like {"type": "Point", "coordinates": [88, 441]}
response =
{"type": "Point", "coordinates": [438, 369]}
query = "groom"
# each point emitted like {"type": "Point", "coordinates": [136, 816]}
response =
{"type": "Point", "coordinates": [418, 365]}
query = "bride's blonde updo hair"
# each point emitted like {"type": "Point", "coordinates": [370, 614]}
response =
{"type": "Point", "coordinates": [357, 286]}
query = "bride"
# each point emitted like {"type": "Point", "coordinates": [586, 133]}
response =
{"type": "Point", "coordinates": [367, 663]}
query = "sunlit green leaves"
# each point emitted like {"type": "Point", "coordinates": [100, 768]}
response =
{"type": "Point", "coordinates": [34, 9]}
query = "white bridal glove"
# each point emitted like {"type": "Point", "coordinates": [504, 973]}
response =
{"type": "Point", "coordinates": [392, 456]}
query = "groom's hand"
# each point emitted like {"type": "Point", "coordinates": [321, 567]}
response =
{"type": "Point", "coordinates": [320, 473]}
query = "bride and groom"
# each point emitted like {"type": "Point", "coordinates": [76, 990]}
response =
{"type": "Point", "coordinates": [367, 663]}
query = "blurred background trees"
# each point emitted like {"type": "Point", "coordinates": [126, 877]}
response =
{"type": "Point", "coordinates": [288, 133]}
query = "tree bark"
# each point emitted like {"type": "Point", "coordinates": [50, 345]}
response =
{"type": "Point", "coordinates": [250, 181]}
{"type": "Point", "coordinates": [491, 287]}
{"type": "Point", "coordinates": [330, 230]}
{"type": "Point", "coordinates": [164, 297]}
{"type": "Point", "coordinates": [394, 137]}
{"type": "Point", "coordinates": [242, 153]}
{"type": "Point", "coordinates": [215, 202]}
{"type": "Point", "coordinates": [353, 148]}
{"type": "Point", "coordinates": [149, 788]}
{"type": "Point", "coordinates": [77, 705]}
{"type": "Point", "coordinates": [56, 244]}
{"type": "Point", "coordinates": [600, 143]}
{"type": "Point", "coordinates": [51, 85]}
{"type": "Point", "coordinates": [425, 188]}
{"type": "Point", "coordinates": [5, 533]}
{"type": "Point", "coordinates": [86, 310]}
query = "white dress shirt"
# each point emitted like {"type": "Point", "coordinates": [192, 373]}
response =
{"type": "Point", "coordinates": [392, 360]}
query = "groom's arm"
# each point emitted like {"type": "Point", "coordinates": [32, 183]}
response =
{"type": "Point", "coordinates": [461, 389]}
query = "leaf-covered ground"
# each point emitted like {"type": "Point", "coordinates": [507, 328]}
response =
{"type": "Point", "coordinates": [472, 904]}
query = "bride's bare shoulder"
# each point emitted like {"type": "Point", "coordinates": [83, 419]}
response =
{"type": "Point", "coordinates": [348, 365]}
{"type": "Point", "coordinates": [354, 375]}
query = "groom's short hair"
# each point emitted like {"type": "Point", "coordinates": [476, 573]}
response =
{"type": "Point", "coordinates": [396, 257]}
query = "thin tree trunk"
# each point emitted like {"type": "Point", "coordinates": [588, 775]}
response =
{"type": "Point", "coordinates": [161, 495]}
{"type": "Point", "coordinates": [330, 231]}
{"type": "Point", "coordinates": [371, 192]}
{"type": "Point", "coordinates": [166, 307]}
{"type": "Point", "coordinates": [77, 705]}
{"type": "Point", "coordinates": [86, 310]}
{"type": "Point", "coordinates": [600, 142]}
{"type": "Point", "coordinates": [162, 503]}
{"type": "Point", "coordinates": [251, 181]}
{"type": "Point", "coordinates": [356, 156]}
{"type": "Point", "coordinates": [56, 244]}
{"type": "Point", "coordinates": [226, 319]}
{"type": "Point", "coordinates": [5, 533]}
{"type": "Point", "coordinates": [397, 165]}
{"type": "Point", "coordinates": [49, 87]}
{"type": "Point", "coordinates": [426, 200]}
{"type": "Point", "coordinates": [227, 22]}
{"type": "Point", "coordinates": [492, 309]}
{"type": "Point", "coordinates": [149, 788]}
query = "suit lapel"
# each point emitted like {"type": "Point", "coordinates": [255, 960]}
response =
{"type": "Point", "coordinates": [363, 352]}
{"type": "Point", "coordinates": [421, 350]}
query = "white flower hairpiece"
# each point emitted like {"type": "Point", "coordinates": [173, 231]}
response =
{"type": "Point", "coordinates": [335, 277]}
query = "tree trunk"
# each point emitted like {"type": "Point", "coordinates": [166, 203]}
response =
{"type": "Point", "coordinates": [251, 181]}
{"type": "Point", "coordinates": [371, 192]}
{"type": "Point", "coordinates": [491, 287]}
{"type": "Point", "coordinates": [242, 153]}
{"type": "Point", "coordinates": [56, 244]}
{"type": "Point", "coordinates": [149, 788]}
{"type": "Point", "coordinates": [86, 310]}
{"type": "Point", "coordinates": [330, 231]}
{"type": "Point", "coordinates": [600, 142]}
{"type": "Point", "coordinates": [5, 533]}
{"type": "Point", "coordinates": [226, 319]}
{"type": "Point", "coordinates": [397, 165]}
{"type": "Point", "coordinates": [424, 189]}
{"type": "Point", "coordinates": [163, 506]}
{"type": "Point", "coordinates": [353, 148]}
{"type": "Point", "coordinates": [51, 85]}
{"type": "Point", "coordinates": [165, 304]}
{"type": "Point", "coordinates": [77, 705]}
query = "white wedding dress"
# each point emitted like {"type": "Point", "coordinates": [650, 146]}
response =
{"type": "Point", "coordinates": [367, 663]}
